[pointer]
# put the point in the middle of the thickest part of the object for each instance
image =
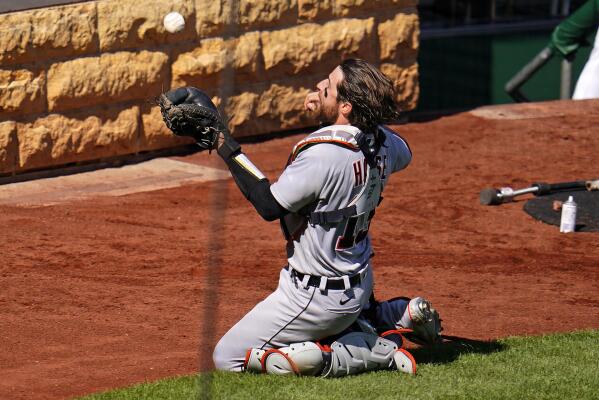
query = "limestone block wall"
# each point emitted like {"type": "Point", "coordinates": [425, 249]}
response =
{"type": "Point", "coordinates": [77, 82]}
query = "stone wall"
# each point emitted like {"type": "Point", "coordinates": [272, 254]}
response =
{"type": "Point", "coordinates": [77, 82]}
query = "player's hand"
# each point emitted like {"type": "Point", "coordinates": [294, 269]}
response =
{"type": "Point", "coordinates": [312, 102]}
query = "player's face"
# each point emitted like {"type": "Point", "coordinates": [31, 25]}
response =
{"type": "Point", "coordinates": [327, 93]}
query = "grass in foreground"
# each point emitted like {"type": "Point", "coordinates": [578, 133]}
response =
{"type": "Point", "coordinates": [563, 366]}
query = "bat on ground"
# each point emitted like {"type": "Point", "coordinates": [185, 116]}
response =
{"type": "Point", "coordinates": [493, 197]}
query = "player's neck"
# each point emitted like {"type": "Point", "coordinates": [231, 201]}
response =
{"type": "Point", "coordinates": [341, 120]}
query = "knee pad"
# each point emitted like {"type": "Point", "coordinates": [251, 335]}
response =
{"type": "Point", "coordinates": [404, 361]}
{"type": "Point", "coordinates": [305, 358]}
{"type": "Point", "coordinates": [358, 352]}
{"type": "Point", "coordinates": [396, 336]}
{"type": "Point", "coordinates": [252, 361]}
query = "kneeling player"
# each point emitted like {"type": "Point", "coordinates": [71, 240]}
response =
{"type": "Point", "coordinates": [325, 200]}
{"type": "Point", "coordinates": [374, 342]}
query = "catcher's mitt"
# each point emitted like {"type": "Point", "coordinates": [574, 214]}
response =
{"type": "Point", "coordinates": [187, 111]}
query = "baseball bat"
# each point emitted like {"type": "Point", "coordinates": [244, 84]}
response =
{"type": "Point", "coordinates": [593, 185]}
{"type": "Point", "coordinates": [492, 196]}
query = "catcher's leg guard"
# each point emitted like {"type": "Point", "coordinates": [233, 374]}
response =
{"type": "Point", "coordinates": [404, 361]}
{"type": "Point", "coordinates": [395, 335]}
{"type": "Point", "coordinates": [304, 358]}
{"type": "Point", "coordinates": [252, 361]}
{"type": "Point", "coordinates": [358, 352]}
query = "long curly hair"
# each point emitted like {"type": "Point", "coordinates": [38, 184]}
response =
{"type": "Point", "coordinates": [370, 92]}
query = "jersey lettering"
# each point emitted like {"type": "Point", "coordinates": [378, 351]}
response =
{"type": "Point", "coordinates": [355, 230]}
{"type": "Point", "coordinates": [358, 178]}
{"type": "Point", "coordinates": [360, 171]}
{"type": "Point", "coordinates": [356, 226]}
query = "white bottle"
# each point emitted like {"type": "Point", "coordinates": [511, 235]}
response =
{"type": "Point", "coordinates": [568, 222]}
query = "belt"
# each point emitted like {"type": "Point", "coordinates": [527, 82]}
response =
{"type": "Point", "coordinates": [341, 283]}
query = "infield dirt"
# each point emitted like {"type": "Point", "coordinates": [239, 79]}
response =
{"type": "Point", "coordinates": [109, 291]}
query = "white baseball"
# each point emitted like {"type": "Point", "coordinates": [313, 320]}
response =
{"type": "Point", "coordinates": [174, 22]}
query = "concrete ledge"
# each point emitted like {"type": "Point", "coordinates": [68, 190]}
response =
{"type": "Point", "coordinates": [87, 166]}
{"type": "Point", "coordinates": [155, 174]}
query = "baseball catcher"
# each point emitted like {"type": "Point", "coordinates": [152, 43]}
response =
{"type": "Point", "coordinates": [322, 319]}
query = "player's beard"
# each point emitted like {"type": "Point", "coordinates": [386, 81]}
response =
{"type": "Point", "coordinates": [328, 114]}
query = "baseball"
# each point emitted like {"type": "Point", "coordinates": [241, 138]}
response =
{"type": "Point", "coordinates": [174, 22]}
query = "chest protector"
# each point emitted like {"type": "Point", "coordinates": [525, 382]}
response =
{"type": "Point", "coordinates": [352, 220]}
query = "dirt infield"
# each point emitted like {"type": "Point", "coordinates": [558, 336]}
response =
{"type": "Point", "coordinates": [106, 292]}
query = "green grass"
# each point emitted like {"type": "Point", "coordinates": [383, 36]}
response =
{"type": "Point", "coordinates": [563, 366]}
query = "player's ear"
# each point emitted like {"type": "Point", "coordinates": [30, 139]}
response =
{"type": "Point", "coordinates": [345, 109]}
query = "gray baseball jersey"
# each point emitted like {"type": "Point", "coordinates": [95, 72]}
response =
{"type": "Point", "coordinates": [331, 176]}
{"type": "Point", "coordinates": [323, 177]}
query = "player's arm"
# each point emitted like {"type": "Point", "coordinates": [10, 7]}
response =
{"type": "Point", "coordinates": [286, 195]}
{"type": "Point", "coordinates": [188, 111]}
{"type": "Point", "coordinates": [572, 32]}
{"type": "Point", "coordinates": [250, 180]}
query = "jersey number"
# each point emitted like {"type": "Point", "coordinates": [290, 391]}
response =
{"type": "Point", "coordinates": [355, 231]}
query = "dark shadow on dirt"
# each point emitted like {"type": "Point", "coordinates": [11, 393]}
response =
{"type": "Point", "coordinates": [453, 347]}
